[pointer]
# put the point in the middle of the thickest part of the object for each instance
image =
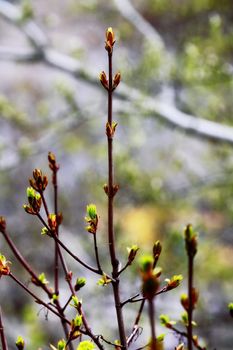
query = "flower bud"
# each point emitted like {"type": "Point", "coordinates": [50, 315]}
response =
{"type": "Point", "coordinates": [116, 80]}
{"type": "Point", "coordinates": [180, 347]}
{"type": "Point", "coordinates": [2, 224]}
{"type": "Point", "coordinates": [110, 129]}
{"type": "Point", "coordinates": [91, 219]}
{"type": "Point", "coordinates": [104, 80]}
{"type": "Point", "coordinates": [174, 282]}
{"type": "Point", "coordinates": [110, 40]}
{"type": "Point", "coordinates": [105, 187]}
{"type": "Point", "coordinates": [39, 181]}
{"type": "Point", "coordinates": [52, 221]}
{"type": "Point", "coordinates": [80, 282]}
{"type": "Point", "coordinates": [184, 300]}
{"type": "Point", "coordinates": [230, 307]}
{"type": "Point", "coordinates": [150, 286]}
{"type": "Point", "coordinates": [4, 266]}
{"type": "Point", "coordinates": [132, 253]}
{"type": "Point", "coordinates": [157, 248]}
{"type": "Point", "coordinates": [20, 343]}
{"type": "Point", "coordinates": [52, 162]}
{"type": "Point", "coordinates": [190, 240]}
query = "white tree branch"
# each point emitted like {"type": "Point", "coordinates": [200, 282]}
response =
{"type": "Point", "coordinates": [170, 114]}
{"type": "Point", "coordinates": [145, 28]}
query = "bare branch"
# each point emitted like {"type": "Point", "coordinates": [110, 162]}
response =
{"type": "Point", "coordinates": [136, 19]}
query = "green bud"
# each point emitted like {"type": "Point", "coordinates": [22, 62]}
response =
{"type": "Point", "coordinates": [161, 337]}
{"type": "Point", "coordinates": [146, 263]}
{"type": "Point", "coordinates": [55, 297]}
{"type": "Point", "coordinates": [78, 321]}
{"type": "Point", "coordinates": [31, 192]}
{"type": "Point", "coordinates": [20, 343]}
{"type": "Point", "coordinates": [75, 301]}
{"type": "Point", "coordinates": [164, 319]}
{"type": "Point", "coordinates": [86, 345]}
{"type": "Point", "coordinates": [44, 231]}
{"type": "Point", "coordinates": [80, 282]}
{"type": "Point", "coordinates": [174, 281]}
{"type": "Point", "coordinates": [230, 307]}
{"type": "Point", "coordinates": [104, 280]}
{"type": "Point", "coordinates": [42, 278]}
{"type": "Point", "coordinates": [61, 345]}
{"type": "Point", "coordinates": [91, 211]}
{"type": "Point", "coordinates": [190, 240]}
{"type": "Point", "coordinates": [184, 318]}
{"type": "Point", "coordinates": [157, 248]}
{"type": "Point", "coordinates": [166, 322]}
{"type": "Point", "coordinates": [132, 252]}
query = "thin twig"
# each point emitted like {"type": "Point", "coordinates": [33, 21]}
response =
{"type": "Point", "coordinates": [111, 236]}
{"type": "Point", "coordinates": [3, 338]}
{"type": "Point", "coordinates": [136, 322]}
{"type": "Point", "coordinates": [190, 304]}
{"type": "Point", "coordinates": [124, 268]}
{"type": "Point", "coordinates": [151, 311]}
{"type": "Point", "coordinates": [97, 254]}
{"type": "Point", "coordinates": [56, 248]}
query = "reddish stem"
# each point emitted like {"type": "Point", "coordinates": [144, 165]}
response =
{"type": "Point", "coordinates": [2, 334]}
{"type": "Point", "coordinates": [190, 305]}
{"type": "Point", "coordinates": [111, 236]}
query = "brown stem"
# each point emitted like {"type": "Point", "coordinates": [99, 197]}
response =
{"type": "Point", "coordinates": [136, 322]}
{"type": "Point", "coordinates": [151, 311]}
{"type": "Point", "coordinates": [111, 237]}
{"type": "Point", "coordinates": [123, 268]}
{"type": "Point", "coordinates": [56, 253]}
{"type": "Point", "coordinates": [97, 254]}
{"type": "Point", "coordinates": [44, 203]}
{"type": "Point", "coordinates": [185, 335]}
{"type": "Point", "coordinates": [190, 305]}
{"type": "Point", "coordinates": [134, 300]}
{"type": "Point", "coordinates": [2, 334]}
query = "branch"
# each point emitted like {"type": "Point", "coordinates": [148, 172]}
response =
{"type": "Point", "coordinates": [2, 334]}
{"type": "Point", "coordinates": [137, 20]}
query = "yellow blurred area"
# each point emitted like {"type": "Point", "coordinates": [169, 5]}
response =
{"type": "Point", "coordinates": [142, 225]}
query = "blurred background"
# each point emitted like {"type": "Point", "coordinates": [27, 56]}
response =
{"type": "Point", "coordinates": [173, 150]}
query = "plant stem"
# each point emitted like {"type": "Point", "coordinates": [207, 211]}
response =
{"type": "Point", "coordinates": [151, 310]}
{"type": "Point", "coordinates": [3, 338]}
{"type": "Point", "coordinates": [56, 253]}
{"type": "Point", "coordinates": [136, 322]}
{"type": "Point", "coordinates": [97, 254]}
{"type": "Point", "coordinates": [190, 297]}
{"type": "Point", "coordinates": [111, 237]}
